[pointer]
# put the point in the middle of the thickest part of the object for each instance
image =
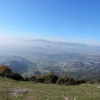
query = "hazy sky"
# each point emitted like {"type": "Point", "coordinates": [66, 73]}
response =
{"type": "Point", "coordinates": [59, 20]}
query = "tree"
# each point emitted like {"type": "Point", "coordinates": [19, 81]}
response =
{"type": "Point", "coordinates": [5, 69]}
{"type": "Point", "coordinates": [51, 78]}
{"type": "Point", "coordinates": [16, 76]}
{"type": "Point", "coordinates": [64, 76]}
{"type": "Point", "coordinates": [40, 78]}
{"type": "Point", "coordinates": [66, 80]}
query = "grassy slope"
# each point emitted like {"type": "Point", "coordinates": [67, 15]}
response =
{"type": "Point", "coordinates": [49, 91]}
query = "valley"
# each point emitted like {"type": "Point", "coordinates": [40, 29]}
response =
{"type": "Point", "coordinates": [39, 60]}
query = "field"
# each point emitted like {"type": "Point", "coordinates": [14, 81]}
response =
{"type": "Point", "coordinates": [19, 90]}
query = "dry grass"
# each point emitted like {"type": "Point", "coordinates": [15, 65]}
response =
{"type": "Point", "coordinates": [47, 91]}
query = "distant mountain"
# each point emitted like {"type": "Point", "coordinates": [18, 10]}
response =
{"type": "Point", "coordinates": [63, 43]}
{"type": "Point", "coordinates": [20, 44]}
{"type": "Point", "coordinates": [41, 40]}
{"type": "Point", "coordinates": [72, 44]}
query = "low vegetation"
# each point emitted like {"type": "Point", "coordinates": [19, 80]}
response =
{"type": "Point", "coordinates": [32, 88]}
{"type": "Point", "coordinates": [22, 90]}
{"type": "Point", "coordinates": [51, 78]}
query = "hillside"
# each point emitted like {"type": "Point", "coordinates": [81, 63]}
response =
{"type": "Point", "coordinates": [41, 61]}
{"type": "Point", "coordinates": [18, 90]}
{"type": "Point", "coordinates": [16, 63]}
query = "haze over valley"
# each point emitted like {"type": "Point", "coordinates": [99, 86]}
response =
{"type": "Point", "coordinates": [32, 57]}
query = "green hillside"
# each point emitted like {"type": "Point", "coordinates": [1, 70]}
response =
{"type": "Point", "coordinates": [20, 90]}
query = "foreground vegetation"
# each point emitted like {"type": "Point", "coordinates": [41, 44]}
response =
{"type": "Point", "coordinates": [21, 90]}
{"type": "Point", "coordinates": [51, 78]}
{"type": "Point", "coordinates": [50, 87]}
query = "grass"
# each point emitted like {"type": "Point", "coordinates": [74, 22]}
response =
{"type": "Point", "coordinates": [49, 91]}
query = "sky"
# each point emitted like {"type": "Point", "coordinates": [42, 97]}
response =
{"type": "Point", "coordinates": [56, 20]}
